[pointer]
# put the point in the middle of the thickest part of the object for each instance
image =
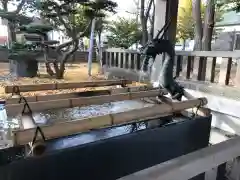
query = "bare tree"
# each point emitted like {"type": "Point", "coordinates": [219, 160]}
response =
{"type": "Point", "coordinates": [152, 21]}
{"type": "Point", "coordinates": [144, 16]}
{"type": "Point", "coordinates": [196, 9]}
{"type": "Point", "coordinates": [208, 25]}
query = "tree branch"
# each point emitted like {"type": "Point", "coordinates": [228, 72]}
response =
{"type": "Point", "coordinates": [67, 55]}
{"type": "Point", "coordinates": [151, 18]}
{"type": "Point", "coordinates": [20, 6]}
{"type": "Point", "coordinates": [58, 11]}
{"type": "Point", "coordinates": [148, 9]}
{"type": "Point", "coordinates": [61, 46]}
{"type": "Point", "coordinates": [4, 5]}
{"type": "Point", "coordinates": [68, 29]}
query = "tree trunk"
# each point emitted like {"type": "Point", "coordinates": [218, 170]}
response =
{"type": "Point", "coordinates": [143, 23]}
{"type": "Point", "coordinates": [11, 33]}
{"type": "Point", "coordinates": [196, 12]}
{"type": "Point", "coordinates": [208, 25]}
{"type": "Point", "coordinates": [49, 69]}
{"type": "Point", "coordinates": [45, 56]}
{"type": "Point", "coordinates": [152, 24]}
{"type": "Point", "coordinates": [63, 58]}
{"type": "Point", "coordinates": [60, 72]}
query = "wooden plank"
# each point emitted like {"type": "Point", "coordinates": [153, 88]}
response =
{"type": "Point", "coordinates": [196, 63]}
{"type": "Point", "coordinates": [202, 68]}
{"type": "Point", "coordinates": [56, 86]}
{"type": "Point", "coordinates": [179, 65]}
{"type": "Point", "coordinates": [132, 61]}
{"type": "Point", "coordinates": [237, 77]}
{"type": "Point", "coordinates": [136, 62]}
{"type": "Point", "coordinates": [124, 60]}
{"type": "Point", "coordinates": [213, 70]}
{"type": "Point", "coordinates": [187, 68]}
{"type": "Point", "coordinates": [14, 109]}
{"type": "Point", "coordinates": [225, 54]}
{"type": "Point", "coordinates": [120, 50]}
{"type": "Point", "coordinates": [104, 58]}
{"type": "Point", "coordinates": [127, 61]}
{"type": "Point", "coordinates": [210, 70]}
{"type": "Point", "coordinates": [119, 59]}
{"type": "Point", "coordinates": [225, 71]}
{"type": "Point", "coordinates": [108, 59]}
{"type": "Point", "coordinates": [22, 137]}
{"type": "Point", "coordinates": [139, 62]}
{"type": "Point", "coordinates": [80, 94]}
{"type": "Point", "coordinates": [115, 59]}
{"type": "Point", "coordinates": [192, 164]}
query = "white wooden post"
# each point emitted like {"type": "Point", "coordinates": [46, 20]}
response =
{"type": "Point", "coordinates": [90, 51]}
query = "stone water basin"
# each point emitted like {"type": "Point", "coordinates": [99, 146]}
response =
{"type": "Point", "coordinates": [68, 114]}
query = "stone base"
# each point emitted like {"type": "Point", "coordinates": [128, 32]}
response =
{"type": "Point", "coordinates": [21, 68]}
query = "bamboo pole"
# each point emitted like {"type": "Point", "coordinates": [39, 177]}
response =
{"type": "Point", "coordinates": [57, 86]}
{"type": "Point", "coordinates": [15, 99]}
{"type": "Point", "coordinates": [13, 109]}
{"type": "Point", "coordinates": [200, 111]}
{"type": "Point", "coordinates": [57, 130]}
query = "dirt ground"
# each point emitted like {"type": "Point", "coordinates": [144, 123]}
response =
{"type": "Point", "coordinates": [74, 73]}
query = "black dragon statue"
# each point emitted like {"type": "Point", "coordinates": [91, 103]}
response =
{"type": "Point", "coordinates": [157, 46]}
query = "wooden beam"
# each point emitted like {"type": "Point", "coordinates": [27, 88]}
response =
{"type": "Point", "coordinates": [224, 54]}
{"type": "Point", "coordinates": [57, 86]}
{"type": "Point", "coordinates": [192, 164]}
{"type": "Point", "coordinates": [14, 109]}
{"type": "Point", "coordinates": [80, 94]}
{"type": "Point", "coordinates": [25, 136]}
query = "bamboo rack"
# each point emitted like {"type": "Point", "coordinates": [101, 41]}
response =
{"type": "Point", "coordinates": [57, 86]}
{"type": "Point", "coordinates": [14, 109]}
{"type": "Point", "coordinates": [14, 100]}
{"type": "Point", "coordinates": [22, 137]}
